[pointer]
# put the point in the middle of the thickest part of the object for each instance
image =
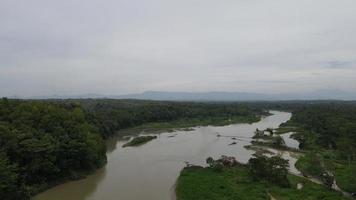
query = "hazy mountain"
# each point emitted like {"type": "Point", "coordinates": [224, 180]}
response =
{"type": "Point", "coordinates": [240, 96]}
{"type": "Point", "coordinates": [201, 96]}
{"type": "Point", "coordinates": [325, 94]}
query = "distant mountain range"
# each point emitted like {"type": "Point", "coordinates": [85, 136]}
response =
{"type": "Point", "coordinates": [218, 96]}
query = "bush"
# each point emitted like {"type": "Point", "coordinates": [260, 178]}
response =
{"type": "Point", "coordinates": [273, 170]}
{"type": "Point", "coordinates": [310, 165]}
{"type": "Point", "coordinates": [346, 179]}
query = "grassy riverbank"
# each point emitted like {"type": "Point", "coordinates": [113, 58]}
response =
{"type": "Point", "coordinates": [187, 124]}
{"type": "Point", "coordinates": [235, 183]}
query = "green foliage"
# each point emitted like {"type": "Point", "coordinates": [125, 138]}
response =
{"type": "Point", "coordinates": [328, 132]}
{"type": "Point", "coordinates": [192, 122]}
{"type": "Point", "coordinates": [310, 164]}
{"type": "Point", "coordinates": [207, 184]}
{"type": "Point", "coordinates": [112, 115]}
{"type": "Point", "coordinates": [277, 141]}
{"type": "Point", "coordinates": [346, 178]}
{"type": "Point", "coordinates": [309, 191]}
{"type": "Point", "coordinates": [139, 140]}
{"type": "Point", "coordinates": [9, 181]}
{"type": "Point", "coordinates": [333, 126]}
{"type": "Point", "coordinates": [210, 161]}
{"type": "Point", "coordinates": [235, 183]}
{"type": "Point", "coordinates": [216, 165]}
{"type": "Point", "coordinates": [41, 143]}
{"type": "Point", "coordinates": [273, 170]}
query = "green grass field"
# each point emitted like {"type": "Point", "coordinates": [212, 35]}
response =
{"type": "Point", "coordinates": [235, 184]}
{"type": "Point", "coordinates": [346, 177]}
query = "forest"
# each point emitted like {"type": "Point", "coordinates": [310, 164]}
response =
{"type": "Point", "coordinates": [327, 133]}
{"type": "Point", "coordinates": [42, 144]}
{"type": "Point", "coordinates": [334, 127]}
{"type": "Point", "coordinates": [47, 142]}
{"type": "Point", "coordinates": [112, 115]}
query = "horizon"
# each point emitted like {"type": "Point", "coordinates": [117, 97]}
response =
{"type": "Point", "coordinates": [207, 96]}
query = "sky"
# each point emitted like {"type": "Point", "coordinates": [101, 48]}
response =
{"type": "Point", "coordinates": [113, 47]}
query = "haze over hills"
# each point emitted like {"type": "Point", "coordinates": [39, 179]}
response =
{"type": "Point", "coordinates": [214, 96]}
{"type": "Point", "coordinates": [241, 96]}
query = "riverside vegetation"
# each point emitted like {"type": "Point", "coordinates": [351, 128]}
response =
{"type": "Point", "coordinates": [327, 135]}
{"type": "Point", "coordinates": [47, 142]}
{"type": "Point", "coordinates": [261, 178]}
{"type": "Point", "coordinates": [139, 140]}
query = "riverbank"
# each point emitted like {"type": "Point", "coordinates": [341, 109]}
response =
{"type": "Point", "coordinates": [330, 164]}
{"type": "Point", "coordinates": [196, 183]}
{"type": "Point", "coordinates": [146, 116]}
{"type": "Point", "coordinates": [235, 183]}
{"type": "Point", "coordinates": [325, 164]}
{"type": "Point", "coordinates": [140, 140]}
{"type": "Point", "coordinates": [155, 166]}
{"type": "Point", "coordinates": [337, 174]}
{"type": "Point", "coordinates": [188, 124]}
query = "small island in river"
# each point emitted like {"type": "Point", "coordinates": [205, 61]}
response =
{"type": "Point", "coordinates": [137, 141]}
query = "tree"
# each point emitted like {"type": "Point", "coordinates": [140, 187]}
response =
{"type": "Point", "coordinates": [43, 142]}
{"type": "Point", "coordinates": [9, 181]}
{"type": "Point", "coordinates": [278, 141]}
{"type": "Point", "coordinates": [273, 170]}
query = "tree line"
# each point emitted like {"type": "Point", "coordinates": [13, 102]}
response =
{"type": "Point", "coordinates": [330, 127]}
{"type": "Point", "coordinates": [42, 143]}
{"type": "Point", "coordinates": [112, 115]}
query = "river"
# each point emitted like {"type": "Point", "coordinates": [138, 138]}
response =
{"type": "Point", "coordinates": [149, 171]}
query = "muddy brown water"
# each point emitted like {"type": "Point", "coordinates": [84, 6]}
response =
{"type": "Point", "coordinates": [150, 171]}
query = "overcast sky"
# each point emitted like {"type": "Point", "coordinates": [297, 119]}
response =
{"type": "Point", "coordinates": [69, 47]}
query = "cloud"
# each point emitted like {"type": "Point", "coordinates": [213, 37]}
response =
{"type": "Point", "coordinates": [129, 46]}
{"type": "Point", "coordinates": [338, 64]}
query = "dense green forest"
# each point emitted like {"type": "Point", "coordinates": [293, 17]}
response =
{"type": "Point", "coordinates": [43, 143]}
{"type": "Point", "coordinates": [328, 135]}
{"type": "Point", "coordinates": [332, 127]}
{"type": "Point", "coordinates": [112, 115]}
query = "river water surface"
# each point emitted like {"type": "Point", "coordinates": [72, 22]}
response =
{"type": "Point", "coordinates": [149, 172]}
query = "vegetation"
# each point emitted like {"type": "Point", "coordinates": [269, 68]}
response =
{"type": "Point", "coordinates": [328, 133]}
{"type": "Point", "coordinates": [139, 140]}
{"type": "Point", "coordinates": [185, 124]}
{"type": "Point", "coordinates": [113, 115]}
{"type": "Point", "coordinates": [275, 142]}
{"type": "Point", "coordinates": [345, 177]}
{"type": "Point", "coordinates": [273, 170]}
{"type": "Point", "coordinates": [310, 165]}
{"type": "Point", "coordinates": [285, 129]}
{"type": "Point", "coordinates": [43, 143]}
{"type": "Point", "coordinates": [197, 183]}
